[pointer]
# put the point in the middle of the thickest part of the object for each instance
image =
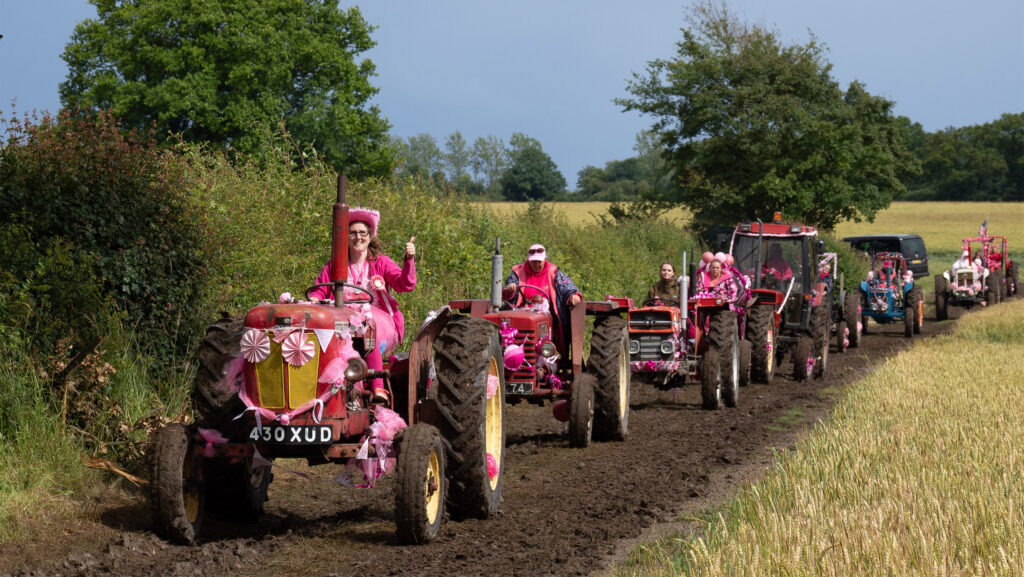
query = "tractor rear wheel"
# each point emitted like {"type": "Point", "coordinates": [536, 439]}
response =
{"type": "Point", "coordinates": [941, 305]}
{"type": "Point", "coordinates": [711, 380]}
{"type": "Point", "coordinates": [909, 310]}
{"type": "Point", "coordinates": [851, 312]}
{"type": "Point", "coordinates": [240, 490]}
{"type": "Point", "coordinates": [720, 363]}
{"type": "Point", "coordinates": [176, 481]}
{"type": "Point", "coordinates": [609, 362]}
{"type": "Point", "coordinates": [1000, 286]}
{"type": "Point", "coordinates": [761, 332]}
{"type": "Point", "coordinates": [991, 292]}
{"type": "Point", "coordinates": [472, 417]}
{"type": "Point", "coordinates": [863, 317]}
{"type": "Point", "coordinates": [420, 484]}
{"type": "Point", "coordinates": [745, 350]}
{"type": "Point", "coordinates": [581, 411]}
{"type": "Point", "coordinates": [803, 359]}
{"type": "Point", "coordinates": [214, 401]}
{"type": "Point", "coordinates": [821, 318]}
{"type": "Point", "coordinates": [1012, 278]}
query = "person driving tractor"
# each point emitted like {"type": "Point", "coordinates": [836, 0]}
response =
{"type": "Point", "coordinates": [561, 292]}
{"type": "Point", "coordinates": [777, 263]}
{"type": "Point", "coordinates": [667, 286]}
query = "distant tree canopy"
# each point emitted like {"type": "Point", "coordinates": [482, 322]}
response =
{"type": "Point", "coordinates": [644, 176]}
{"type": "Point", "coordinates": [750, 126]}
{"type": "Point", "coordinates": [229, 71]}
{"type": "Point", "coordinates": [982, 162]}
{"type": "Point", "coordinates": [532, 174]}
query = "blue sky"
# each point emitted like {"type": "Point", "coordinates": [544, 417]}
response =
{"type": "Point", "coordinates": [550, 68]}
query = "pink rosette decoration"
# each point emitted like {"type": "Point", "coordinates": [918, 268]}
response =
{"type": "Point", "coordinates": [514, 357]}
{"type": "Point", "coordinates": [297, 349]}
{"type": "Point", "coordinates": [492, 385]}
{"type": "Point", "coordinates": [377, 282]}
{"type": "Point", "coordinates": [255, 346]}
{"type": "Point", "coordinates": [492, 466]}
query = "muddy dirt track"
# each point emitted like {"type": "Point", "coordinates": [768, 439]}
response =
{"type": "Point", "coordinates": [565, 511]}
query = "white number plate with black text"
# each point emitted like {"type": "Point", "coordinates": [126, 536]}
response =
{"type": "Point", "coordinates": [292, 434]}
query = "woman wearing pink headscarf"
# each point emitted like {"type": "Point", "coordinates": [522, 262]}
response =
{"type": "Point", "coordinates": [369, 268]}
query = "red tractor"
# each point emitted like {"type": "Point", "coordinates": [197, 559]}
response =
{"type": "Point", "coordinates": [701, 342]}
{"type": "Point", "coordinates": [996, 258]}
{"type": "Point", "coordinates": [592, 394]}
{"type": "Point", "coordinates": [987, 276]}
{"type": "Point", "coordinates": [286, 381]}
{"type": "Point", "coordinates": [791, 307]}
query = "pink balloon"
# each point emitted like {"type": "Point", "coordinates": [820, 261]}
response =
{"type": "Point", "coordinates": [707, 257]}
{"type": "Point", "coordinates": [720, 256]}
{"type": "Point", "coordinates": [514, 357]}
{"type": "Point", "coordinates": [729, 260]}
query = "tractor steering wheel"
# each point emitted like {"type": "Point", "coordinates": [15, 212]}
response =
{"type": "Point", "coordinates": [519, 289]}
{"type": "Point", "coordinates": [661, 301]}
{"type": "Point", "coordinates": [344, 301]}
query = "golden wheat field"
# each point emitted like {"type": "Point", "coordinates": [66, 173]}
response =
{"type": "Point", "coordinates": [941, 224]}
{"type": "Point", "coordinates": [917, 473]}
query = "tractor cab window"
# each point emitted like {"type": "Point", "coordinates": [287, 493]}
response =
{"type": "Point", "coordinates": [780, 261]}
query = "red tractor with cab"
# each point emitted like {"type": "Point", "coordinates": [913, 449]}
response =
{"type": "Point", "coordinates": [286, 381]}
{"type": "Point", "coordinates": [592, 393]}
{"type": "Point", "coordinates": [790, 309]}
{"type": "Point", "coordinates": [690, 339]}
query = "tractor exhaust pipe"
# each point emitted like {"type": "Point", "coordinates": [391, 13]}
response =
{"type": "Point", "coordinates": [496, 278]}
{"type": "Point", "coordinates": [684, 289]}
{"type": "Point", "coordinates": [339, 242]}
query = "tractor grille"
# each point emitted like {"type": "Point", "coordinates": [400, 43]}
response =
{"type": "Point", "coordinates": [528, 340]}
{"type": "Point", "coordinates": [650, 348]}
{"type": "Point", "coordinates": [281, 385]}
{"type": "Point", "coordinates": [650, 321]}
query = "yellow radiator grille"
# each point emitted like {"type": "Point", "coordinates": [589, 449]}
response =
{"type": "Point", "coordinates": [302, 380]}
{"type": "Point", "coordinates": [270, 378]}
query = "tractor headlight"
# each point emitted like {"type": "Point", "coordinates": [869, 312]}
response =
{"type": "Point", "coordinates": [356, 370]}
{"type": "Point", "coordinates": [634, 347]}
{"type": "Point", "coordinates": [548, 349]}
{"type": "Point", "coordinates": [667, 347]}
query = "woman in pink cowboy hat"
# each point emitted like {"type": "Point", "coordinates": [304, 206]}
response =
{"type": "Point", "coordinates": [369, 268]}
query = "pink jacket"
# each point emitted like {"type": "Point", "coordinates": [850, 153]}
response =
{"type": "Point", "coordinates": [402, 280]}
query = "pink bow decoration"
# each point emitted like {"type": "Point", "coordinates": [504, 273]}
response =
{"type": "Point", "coordinates": [212, 437]}
{"type": "Point", "coordinates": [334, 372]}
{"type": "Point", "coordinates": [514, 357]}
{"type": "Point", "coordinates": [297, 349]}
{"type": "Point", "coordinates": [255, 346]}
{"type": "Point", "coordinates": [285, 298]}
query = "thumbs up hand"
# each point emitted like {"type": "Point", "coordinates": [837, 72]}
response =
{"type": "Point", "coordinates": [410, 248]}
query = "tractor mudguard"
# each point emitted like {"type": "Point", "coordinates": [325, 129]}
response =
{"type": "Point", "coordinates": [420, 354]}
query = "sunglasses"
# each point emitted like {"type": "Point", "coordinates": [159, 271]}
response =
{"type": "Point", "coordinates": [535, 251]}
{"type": "Point", "coordinates": [360, 233]}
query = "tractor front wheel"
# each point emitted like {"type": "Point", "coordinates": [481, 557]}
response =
{"type": "Point", "coordinates": [821, 318]}
{"type": "Point", "coordinates": [917, 300]}
{"type": "Point", "coordinates": [609, 362]}
{"type": "Point", "coordinates": [851, 312]}
{"type": "Point", "coordinates": [179, 501]}
{"type": "Point", "coordinates": [420, 484]}
{"type": "Point", "coordinates": [803, 359]}
{"type": "Point", "coordinates": [761, 334]}
{"type": "Point", "coordinates": [581, 411]}
{"type": "Point", "coordinates": [471, 403]}
{"type": "Point", "coordinates": [941, 305]}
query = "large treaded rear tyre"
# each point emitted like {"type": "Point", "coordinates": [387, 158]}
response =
{"type": "Point", "coordinates": [719, 367]}
{"type": "Point", "coordinates": [214, 402]}
{"type": "Point", "coordinates": [803, 359]}
{"type": "Point", "coordinates": [917, 298]}
{"type": "Point", "coordinates": [761, 334]}
{"type": "Point", "coordinates": [467, 353]}
{"type": "Point", "coordinates": [744, 362]}
{"type": "Point", "coordinates": [420, 484]}
{"type": "Point", "coordinates": [941, 304]}
{"type": "Point", "coordinates": [176, 484]}
{"type": "Point", "coordinates": [851, 312]}
{"type": "Point", "coordinates": [1012, 278]}
{"type": "Point", "coordinates": [609, 362]}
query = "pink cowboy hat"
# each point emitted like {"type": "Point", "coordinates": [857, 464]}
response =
{"type": "Point", "coordinates": [368, 215]}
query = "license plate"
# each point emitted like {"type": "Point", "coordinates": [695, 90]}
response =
{"type": "Point", "coordinates": [292, 434]}
{"type": "Point", "coordinates": [916, 261]}
{"type": "Point", "coordinates": [518, 388]}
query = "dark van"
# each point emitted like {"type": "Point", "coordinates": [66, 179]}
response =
{"type": "Point", "coordinates": [911, 246]}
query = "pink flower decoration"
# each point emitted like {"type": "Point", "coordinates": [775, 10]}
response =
{"type": "Point", "coordinates": [492, 385]}
{"type": "Point", "coordinates": [285, 298]}
{"type": "Point", "coordinates": [297, 349]}
{"type": "Point", "coordinates": [810, 365]}
{"type": "Point", "coordinates": [334, 372]}
{"type": "Point", "coordinates": [255, 346]}
{"type": "Point", "coordinates": [846, 342]}
{"type": "Point", "coordinates": [492, 466]}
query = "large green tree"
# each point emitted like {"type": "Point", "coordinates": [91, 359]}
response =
{"type": "Point", "coordinates": [750, 125]}
{"type": "Point", "coordinates": [229, 71]}
{"type": "Point", "coordinates": [532, 174]}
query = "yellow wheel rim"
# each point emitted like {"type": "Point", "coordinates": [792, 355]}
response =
{"type": "Point", "coordinates": [191, 483]}
{"type": "Point", "coordinates": [493, 442]}
{"type": "Point", "coordinates": [771, 352]}
{"type": "Point", "coordinates": [432, 487]}
{"type": "Point", "coordinates": [623, 380]}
